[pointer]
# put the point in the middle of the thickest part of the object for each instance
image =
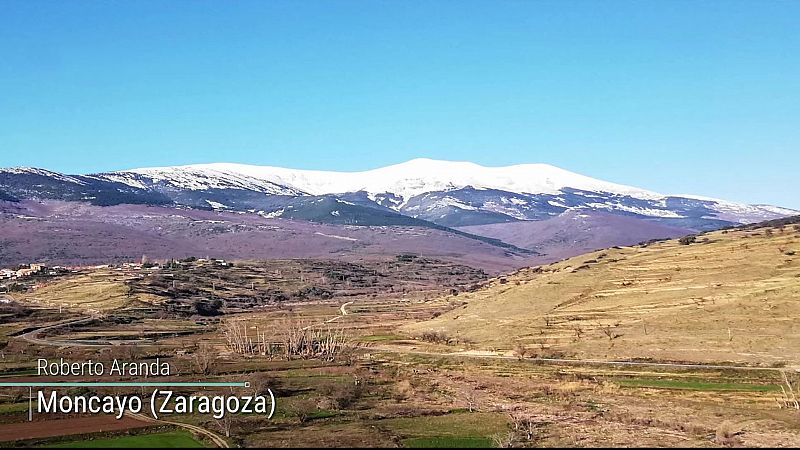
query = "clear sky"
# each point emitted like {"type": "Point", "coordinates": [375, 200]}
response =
{"type": "Point", "coordinates": [675, 96]}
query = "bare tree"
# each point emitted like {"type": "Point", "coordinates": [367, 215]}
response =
{"type": "Point", "coordinates": [289, 339]}
{"type": "Point", "coordinates": [789, 399]}
{"type": "Point", "coordinates": [610, 332]}
{"type": "Point", "coordinates": [261, 383]}
{"type": "Point", "coordinates": [504, 440]}
{"type": "Point", "coordinates": [529, 428]}
{"type": "Point", "coordinates": [225, 424]}
{"type": "Point", "coordinates": [204, 360]}
{"type": "Point", "coordinates": [470, 398]}
{"type": "Point", "coordinates": [520, 351]}
{"type": "Point", "coordinates": [302, 409]}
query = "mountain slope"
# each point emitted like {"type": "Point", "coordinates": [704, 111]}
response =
{"type": "Point", "coordinates": [576, 232]}
{"type": "Point", "coordinates": [730, 296]}
{"type": "Point", "coordinates": [26, 182]}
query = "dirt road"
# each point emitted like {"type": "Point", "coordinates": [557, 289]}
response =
{"type": "Point", "coordinates": [343, 312]}
{"type": "Point", "coordinates": [215, 438]}
{"type": "Point", "coordinates": [33, 335]}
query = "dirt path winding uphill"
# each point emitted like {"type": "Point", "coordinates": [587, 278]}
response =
{"type": "Point", "coordinates": [343, 312]}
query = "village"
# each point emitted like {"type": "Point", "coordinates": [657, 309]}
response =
{"type": "Point", "coordinates": [24, 277]}
{"type": "Point", "coordinates": [33, 270]}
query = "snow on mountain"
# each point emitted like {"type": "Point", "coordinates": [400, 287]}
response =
{"type": "Point", "coordinates": [43, 173]}
{"type": "Point", "coordinates": [197, 178]}
{"type": "Point", "coordinates": [448, 193]}
{"type": "Point", "coordinates": [415, 177]}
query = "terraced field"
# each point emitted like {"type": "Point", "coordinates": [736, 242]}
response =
{"type": "Point", "coordinates": [729, 296]}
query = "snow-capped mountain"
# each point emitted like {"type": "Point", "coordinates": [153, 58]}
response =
{"type": "Point", "coordinates": [405, 181]}
{"type": "Point", "coordinates": [445, 193]}
{"type": "Point", "coordinates": [198, 178]}
{"type": "Point", "coordinates": [28, 182]}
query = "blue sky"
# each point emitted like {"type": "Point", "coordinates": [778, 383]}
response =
{"type": "Point", "coordinates": [675, 96]}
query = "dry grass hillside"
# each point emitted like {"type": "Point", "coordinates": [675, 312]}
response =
{"type": "Point", "coordinates": [729, 296]}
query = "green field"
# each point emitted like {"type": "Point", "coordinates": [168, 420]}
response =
{"type": "Point", "coordinates": [13, 408]}
{"type": "Point", "coordinates": [448, 442]}
{"type": "Point", "coordinates": [695, 385]}
{"type": "Point", "coordinates": [169, 439]}
{"type": "Point", "coordinates": [454, 430]}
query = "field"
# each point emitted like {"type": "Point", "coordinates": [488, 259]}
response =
{"type": "Point", "coordinates": [173, 439]}
{"type": "Point", "coordinates": [435, 355]}
{"type": "Point", "coordinates": [24, 430]}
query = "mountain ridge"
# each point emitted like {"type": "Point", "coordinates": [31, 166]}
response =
{"type": "Point", "coordinates": [447, 193]}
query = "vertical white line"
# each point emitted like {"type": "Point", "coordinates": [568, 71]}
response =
{"type": "Point", "coordinates": [30, 403]}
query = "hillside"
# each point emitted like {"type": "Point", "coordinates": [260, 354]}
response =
{"type": "Point", "coordinates": [730, 296]}
{"type": "Point", "coordinates": [67, 233]}
{"type": "Point", "coordinates": [575, 232]}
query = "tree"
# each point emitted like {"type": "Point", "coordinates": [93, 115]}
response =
{"type": "Point", "coordinates": [225, 424]}
{"type": "Point", "coordinates": [520, 351]}
{"type": "Point", "coordinates": [204, 360]}
{"type": "Point", "coordinates": [302, 409]}
{"type": "Point", "coordinates": [470, 398]}
{"type": "Point", "coordinates": [206, 307]}
{"type": "Point", "coordinates": [504, 440]}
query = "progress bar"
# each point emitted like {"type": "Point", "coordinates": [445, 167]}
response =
{"type": "Point", "coordinates": [126, 384]}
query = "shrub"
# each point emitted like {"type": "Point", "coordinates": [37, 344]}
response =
{"type": "Point", "coordinates": [726, 434]}
{"type": "Point", "coordinates": [343, 394]}
{"type": "Point", "coordinates": [686, 240]}
{"type": "Point", "coordinates": [208, 307]}
{"type": "Point", "coordinates": [403, 390]}
{"type": "Point", "coordinates": [302, 408]}
{"type": "Point", "coordinates": [520, 351]}
{"type": "Point", "coordinates": [436, 337]}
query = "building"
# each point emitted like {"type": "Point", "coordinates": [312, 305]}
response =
{"type": "Point", "coordinates": [6, 273]}
{"type": "Point", "coordinates": [30, 270]}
